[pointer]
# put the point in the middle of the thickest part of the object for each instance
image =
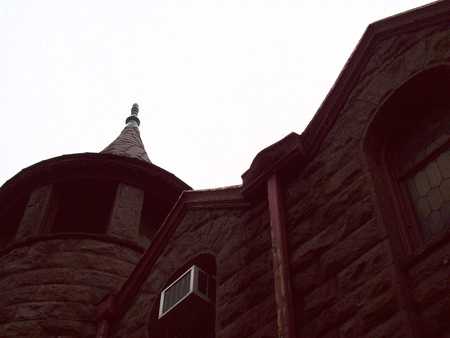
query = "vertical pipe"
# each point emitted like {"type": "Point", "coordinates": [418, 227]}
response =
{"type": "Point", "coordinates": [282, 282]}
{"type": "Point", "coordinates": [102, 329]}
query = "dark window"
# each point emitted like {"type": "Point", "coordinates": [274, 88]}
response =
{"type": "Point", "coordinates": [408, 148]}
{"type": "Point", "coordinates": [420, 158]}
{"type": "Point", "coordinates": [151, 217]}
{"type": "Point", "coordinates": [83, 206]}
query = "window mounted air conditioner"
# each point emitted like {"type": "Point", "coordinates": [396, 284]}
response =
{"type": "Point", "coordinates": [187, 292]}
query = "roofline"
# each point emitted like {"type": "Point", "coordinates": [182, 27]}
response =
{"type": "Point", "coordinates": [220, 198]}
{"type": "Point", "coordinates": [311, 140]}
{"type": "Point", "coordinates": [289, 152]}
{"type": "Point", "coordinates": [410, 20]}
{"type": "Point", "coordinates": [62, 167]}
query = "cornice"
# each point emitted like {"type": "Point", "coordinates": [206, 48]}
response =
{"type": "Point", "coordinates": [106, 166]}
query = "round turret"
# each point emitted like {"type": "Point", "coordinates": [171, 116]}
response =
{"type": "Point", "coordinates": [72, 229]}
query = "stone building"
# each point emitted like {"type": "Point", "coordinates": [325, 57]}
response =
{"type": "Point", "coordinates": [342, 231]}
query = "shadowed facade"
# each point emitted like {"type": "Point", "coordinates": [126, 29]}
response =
{"type": "Point", "coordinates": [342, 231]}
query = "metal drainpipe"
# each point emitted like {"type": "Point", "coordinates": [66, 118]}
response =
{"type": "Point", "coordinates": [282, 282]}
{"type": "Point", "coordinates": [102, 329]}
{"type": "Point", "coordinates": [105, 315]}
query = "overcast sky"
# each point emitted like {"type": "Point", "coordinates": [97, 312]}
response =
{"type": "Point", "coordinates": [216, 81]}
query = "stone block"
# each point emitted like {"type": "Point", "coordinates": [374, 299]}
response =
{"type": "Point", "coordinates": [438, 47]}
{"type": "Point", "coordinates": [369, 264]}
{"type": "Point", "coordinates": [54, 310]}
{"type": "Point", "coordinates": [439, 259]}
{"type": "Point", "coordinates": [126, 213]}
{"type": "Point", "coordinates": [250, 321]}
{"type": "Point", "coordinates": [230, 308]}
{"type": "Point", "coordinates": [303, 280]}
{"type": "Point", "coordinates": [320, 298]}
{"type": "Point", "coordinates": [35, 213]}
{"type": "Point", "coordinates": [394, 327]}
{"type": "Point", "coordinates": [267, 331]}
{"type": "Point", "coordinates": [435, 318]}
{"type": "Point", "coordinates": [375, 295]}
{"type": "Point", "coordinates": [433, 288]}
{"type": "Point", "coordinates": [350, 248]}
{"type": "Point", "coordinates": [234, 286]}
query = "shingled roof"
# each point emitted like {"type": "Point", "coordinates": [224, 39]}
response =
{"type": "Point", "coordinates": [129, 143]}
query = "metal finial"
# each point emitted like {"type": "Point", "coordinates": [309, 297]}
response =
{"type": "Point", "coordinates": [135, 109]}
{"type": "Point", "coordinates": [133, 120]}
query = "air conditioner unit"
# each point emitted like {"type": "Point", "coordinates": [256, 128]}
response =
{"type": "Point", "coordinates": [193, 291]}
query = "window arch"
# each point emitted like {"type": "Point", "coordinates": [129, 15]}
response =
{"type": "Point", "coordinates": [408, 147]}
{"type": "Point", "coordinates": [192, 317]}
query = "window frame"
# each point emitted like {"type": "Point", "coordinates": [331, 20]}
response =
{"type": "Point", "coordinates": [394, 204]}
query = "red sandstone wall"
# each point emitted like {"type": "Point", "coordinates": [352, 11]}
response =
{"type": "Point", "coordinates": [344, 280]}
{"type": "Point", "coordinates": [347, 282]}
{"type": "Point", "coordinates": [240, 240]}
{"type": "Point", "coordinates": [51, 288]}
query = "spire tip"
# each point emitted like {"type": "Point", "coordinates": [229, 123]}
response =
{"type": "Point", "coordinates": [133, 120]}
{"type": "Point", "coordinates": [135, 109]}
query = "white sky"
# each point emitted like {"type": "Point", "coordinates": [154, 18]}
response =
{"type": "Point", "coordinates": [216, 81]}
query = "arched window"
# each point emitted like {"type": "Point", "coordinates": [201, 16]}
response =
{"type": "Point", "coordinates": [420, 162]}
{"type": "Point", "coordinates": [408, 144]}
{"type": "Point", "coordinates": [186, 304]}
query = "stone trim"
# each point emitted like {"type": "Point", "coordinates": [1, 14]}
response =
{"type": "Point", "coordinates": [72, 235]}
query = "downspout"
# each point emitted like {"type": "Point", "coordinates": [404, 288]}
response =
{"type": "Point", "coordinates": [105, 315]}
{"type": "Point", "coordinates": [102, 328]}
{"type": "Point", "coordinates": [280, 258]}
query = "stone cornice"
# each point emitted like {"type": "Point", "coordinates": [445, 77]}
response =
{"type": "Point", "coordinates": [90, 165]}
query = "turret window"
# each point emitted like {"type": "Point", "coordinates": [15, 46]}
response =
{"type": "Point", "coordinates": [82, 206]}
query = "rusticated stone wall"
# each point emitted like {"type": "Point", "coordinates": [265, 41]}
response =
{"type": "Point", "coordinates": [240, 241]}
{"type": "Point", "coordinates": [346, 280]}
{"type": "Point", "coordinates": [347, 277]}
{"type": "Point", "coordinates": [51, 288]}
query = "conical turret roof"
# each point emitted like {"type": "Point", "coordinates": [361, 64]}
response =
{"type": "Point", "coordinates": [129, 143]}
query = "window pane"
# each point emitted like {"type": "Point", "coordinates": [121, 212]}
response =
{"type": "Point", "coordinates": [434, 176]}
{"type": "Point", "coordinates": [444, 164]}
{"type": "Point", "coordinates": [423, 186]}
{"type": "Point", "coordinates": [445, 189]}
{"type": "Point", "coordinates": [430, 194]}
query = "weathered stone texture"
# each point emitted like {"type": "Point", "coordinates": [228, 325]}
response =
{"type": "Point", "coordinates": [240, 240]}
{"type": "Point", "coordinates": [340, 253]}
{"type": "Point", "coordinates": [126, 213]}
{"type": "Point", "coordinates": [52, 287]}
{"type": "Point", "coordinates": [430, 283]}
{"type": "Point", "coordinates": [35, 211]}
{"type": "Point", "coordinates": [346, 278]}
